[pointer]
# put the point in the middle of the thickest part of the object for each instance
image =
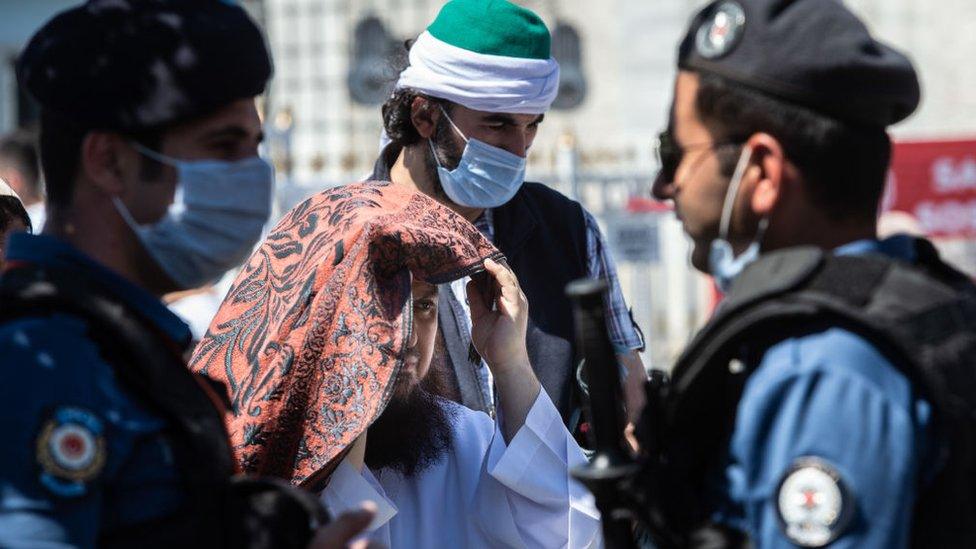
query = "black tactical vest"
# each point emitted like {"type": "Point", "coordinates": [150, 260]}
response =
{"type": "Point", "coordinates": [220, 510]}
{"type": "Point", "coordinates": [921, 316]}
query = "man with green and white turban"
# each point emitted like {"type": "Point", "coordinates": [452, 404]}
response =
{"type": "Point", "coordinates": [460, 123]}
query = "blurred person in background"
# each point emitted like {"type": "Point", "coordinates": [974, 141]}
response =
{"type": "Point", "coordinates": [460, 123]}
{"type": "Point", "coordinates": [13, 217]}
{"type": "Point", "coordinates": [21, 170]}
{"type": "Point", "coordinates": [831, 399]}
{"type": "Point", "coordinates": [149, 137]}
{"type": "Point", "coordinates": [326, 340]}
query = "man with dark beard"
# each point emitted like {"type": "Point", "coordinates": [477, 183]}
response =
{"type": "Point", "coordinates": [326, 342]}
{"type": "Point", "coordinates": [414, 430]}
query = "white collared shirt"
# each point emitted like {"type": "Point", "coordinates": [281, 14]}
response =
{"type": "Point", "coordinates": [482, 492]}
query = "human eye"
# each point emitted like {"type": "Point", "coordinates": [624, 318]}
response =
{"type": "Point", "coordinates": [424, 306]}
{"type": "Point", "coordinates": [225, 148]}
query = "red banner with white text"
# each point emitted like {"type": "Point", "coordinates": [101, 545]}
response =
{"type": "Point", "coordinates": [935, 182]}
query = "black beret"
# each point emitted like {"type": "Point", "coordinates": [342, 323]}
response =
{"type": "Point", "coordinates": [814, 53]}
{"type": "Point", "coordinates": [130, 65]}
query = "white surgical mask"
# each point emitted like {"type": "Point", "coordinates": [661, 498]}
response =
{"type": "Point", "coordinates": [486, 176]}
{"type": "Point", "coordinates": [216, 218]}
{"type": "Point", "coordinates": [723, 264]}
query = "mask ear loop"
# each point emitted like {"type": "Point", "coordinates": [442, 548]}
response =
{"type": "Point", "coordinates": [733, 192]}
{"type": "Point", "coordinates": [158, 157]}
{"type": "Point", "coordinates": [451, 122]}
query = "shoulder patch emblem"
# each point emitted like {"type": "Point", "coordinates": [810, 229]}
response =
{"type": "Point", "coordinates": [70, 450]}
{"type": "Point", "coordinates": [813, 502]}
{"type": "Point", "coordinates": [721, 31]}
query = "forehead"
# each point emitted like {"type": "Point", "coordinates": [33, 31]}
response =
{"type": "Point", "coordinates": [241, 114]}
{"type": "Point", "coordinates": [419, 288]}
{"type": "Point", "coordinates": [461, 111]}
{"type": "Point", "coordinates": [685, 122]}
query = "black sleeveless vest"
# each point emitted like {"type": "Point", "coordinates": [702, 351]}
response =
{"type": "Point", "coordinates": [220, 510]}
{"type": "Point", "coordinates": [543, 236]}
{"type": "Point", "coordinates": [922, 317]}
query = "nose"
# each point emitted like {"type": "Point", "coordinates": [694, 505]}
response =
{"type": "Point", "coordinates": [662, 189]}
{"type": "Point", "coordinates": [518, 142]}
{"type": "Point", "coordinates": [412, 339]}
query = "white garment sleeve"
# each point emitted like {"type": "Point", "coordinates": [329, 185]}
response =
{"type": "Point", "coordinates": [530, 479]}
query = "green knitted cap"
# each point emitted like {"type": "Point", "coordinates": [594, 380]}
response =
{"type": "Point", "coordinates": [492, 27]}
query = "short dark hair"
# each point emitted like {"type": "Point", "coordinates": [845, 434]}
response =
{"type": "Point", "coordinates": [60, 144]}
{"type": "Point", "coordinates": [12, 209]}
{"type": "Point", "coordinates": [844, 165]}
{"type": "Point", "coordinates": [19, 150]}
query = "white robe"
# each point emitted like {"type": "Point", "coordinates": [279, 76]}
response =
{"type": "Point", "coordinates": [482, 492]}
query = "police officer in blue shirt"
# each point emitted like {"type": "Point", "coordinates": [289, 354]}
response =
{"type": "Point", "coordinates": [830, 399]}
{"type": "Point", "coordinates": [149, 139]}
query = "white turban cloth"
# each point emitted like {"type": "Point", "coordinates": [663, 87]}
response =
{"type": "Point", "coordinates": [487, 83]}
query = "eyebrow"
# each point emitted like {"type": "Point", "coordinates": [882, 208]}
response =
{"type": "Point", "coordinates": [508, 119]}
{"type": "Point", "coordinates": [431, 292]}
{"type": "Point", "coordinates": [234, 132]}
{"type": "Point", "coordinates": [502, 118]}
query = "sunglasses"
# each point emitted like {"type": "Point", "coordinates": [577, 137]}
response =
{"type": "Point", "coordinates": [669, 153]}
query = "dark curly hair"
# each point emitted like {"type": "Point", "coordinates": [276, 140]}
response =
{"type": "Point", "coordinates": [396, 115]}
{"type": "Point", "coordinates": [396, 110]}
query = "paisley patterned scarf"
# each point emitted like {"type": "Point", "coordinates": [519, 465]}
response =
{"type": "Point", "coordinates": [310, 338]}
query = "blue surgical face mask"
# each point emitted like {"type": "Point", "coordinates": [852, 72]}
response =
{"type": "Point", "coordinates": [216, 218]}
{"type": "Point", "coordinates": [486, 176]}
{"type": "Point", "coordinates": [723, 264]}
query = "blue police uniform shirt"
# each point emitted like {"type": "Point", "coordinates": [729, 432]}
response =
{"type": "Point", "coordinates": [81, 456]}
{"type": "Point", "coordinates": [831, 399]}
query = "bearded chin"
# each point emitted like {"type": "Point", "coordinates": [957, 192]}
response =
{"type": "Point", "coordinates": [414, 431]}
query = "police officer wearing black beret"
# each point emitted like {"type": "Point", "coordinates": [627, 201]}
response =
{"type": "Point", "coordinates": [830, 399]}
{"type": "Point", "coordinates": [149, 141]}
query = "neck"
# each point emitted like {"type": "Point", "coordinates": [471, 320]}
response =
{"type": "Point", "coordinates": [100, 233]}
{"type": "Point", "coordinates": [411, 169]}
{"type": "Point", "coordinates": [357, 453]}
{"type": "Point", "coordinates": [823, 233]}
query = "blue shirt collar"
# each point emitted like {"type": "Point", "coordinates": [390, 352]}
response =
{"type": "Point", "coordinates": [899, 246]}
{"type": "Point", "coordinates": [51, 251]}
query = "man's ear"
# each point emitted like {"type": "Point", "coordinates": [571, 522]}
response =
{"type": "Point", "coordinates": [105, 160]}
{"type": "Point", "coordinates": [424, 115]}
{"type": "Point", "coordinates": [772, 169]}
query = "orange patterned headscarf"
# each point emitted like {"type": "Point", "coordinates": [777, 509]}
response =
{"type": "Point", "coordinates": [313, 333]}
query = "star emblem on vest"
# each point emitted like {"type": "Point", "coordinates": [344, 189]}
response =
{"type": "Point", "coordinates": [813, 503]}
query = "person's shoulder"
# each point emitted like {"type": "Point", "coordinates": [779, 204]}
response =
{"type": "Point", "coordinates": [465, 420]}
{"type": "Point", "coordinates": [51, 358]}
{"type": "Point", "coordinates": [540, 192]}
{"type": "Point", "coordinates": [61, 334]}
{"type": "Point", "coordinates": [836, 354]}
{"type": "Point", "coordinates": [550, 206]}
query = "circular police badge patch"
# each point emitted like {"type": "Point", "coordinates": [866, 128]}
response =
{"type": "Point", "coordinates": [722, 31]}
{"type": "Point", "coordinates": [70, 450]}
{"type": "Point", "coordinates": [813, 503]}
